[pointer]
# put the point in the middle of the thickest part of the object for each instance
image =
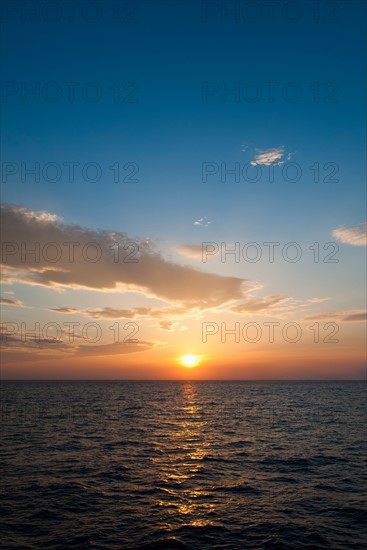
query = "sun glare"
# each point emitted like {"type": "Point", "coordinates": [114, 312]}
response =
{"type": "Point", "coordinates": [189, 361]}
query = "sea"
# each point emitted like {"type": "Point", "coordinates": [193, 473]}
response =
{"type": "Point", "coordinates": [183, 465]}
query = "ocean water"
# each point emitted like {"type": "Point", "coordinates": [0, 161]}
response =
{"type": "Point", "coordinates": [197, 465]}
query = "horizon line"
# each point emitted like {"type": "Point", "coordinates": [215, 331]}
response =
{"type": "Point", "coordinates": [183, 380]}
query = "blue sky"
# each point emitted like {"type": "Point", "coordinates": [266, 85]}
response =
{"type": "Point", "coordinates": [169, 132]}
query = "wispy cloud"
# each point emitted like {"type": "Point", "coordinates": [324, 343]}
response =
{"type": "Point", "coordinates": [202, 221]}
{"type": "Point", "coordinates": [115, 348]}
{"type": "Point", "coordinates": [351, 316]}
{"type": "Point", "coordinates": [64, 309]}
{"type": "Point", "coordinates": [154, 313]}
{"type": "Point", "coordinates": [168, 317]}
{"type": "Point", "coordinates": [356, 235]}
{"type": "Point", "coordinates": [260, 305]}
{"type": "Point", "coordinates": [10, 302]}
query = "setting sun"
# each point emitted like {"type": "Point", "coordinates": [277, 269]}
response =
{"type": "Point", "coordinates": [189, 361]}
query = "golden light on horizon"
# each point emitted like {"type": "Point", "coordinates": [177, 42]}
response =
{"type": "Point", "coordinates": [189, 361]}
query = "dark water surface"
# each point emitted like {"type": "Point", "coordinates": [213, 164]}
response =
{"type": "Point", "coordinates": [196, 465]}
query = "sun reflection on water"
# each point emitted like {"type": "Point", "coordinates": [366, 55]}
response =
{"type": "Point", "coordinates": [184, 496]}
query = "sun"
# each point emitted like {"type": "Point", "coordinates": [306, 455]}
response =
{"type": "Point", "coordinates": [189, 361]}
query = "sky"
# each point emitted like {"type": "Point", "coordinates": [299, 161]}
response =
{"type": "Point", "coordinates": [143, 142]}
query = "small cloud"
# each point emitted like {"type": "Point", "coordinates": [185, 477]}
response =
{"type": "Point", "coordinates": [260, 305]}
{"type": "Point", "coordinates": [171, 326]}
{"type": "Point", "coordinates": [270, 157]}
{"type": "Point", "coordinates": [202, 221]}
{"type": "Point", "coordinates": [244, 148]}
{"type": "Point", "coordinates": [355, 235]}
{"type": "Point", "coordinates": [317, 300]}
{"type": "Point", "coordinates": [64, 309]}
{"type": "Point", "coordinates": [167, 325]}
{"type": "Point", "coordinates": [10, 302]}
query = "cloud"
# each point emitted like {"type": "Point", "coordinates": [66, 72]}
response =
{"type": "Point", "coordinates": [270, 156]}
{"type": "Point", "coordinates": [167, 313]}
{"type": "Point", "coordinates": [29, 341]}
{"type": "Point", "coordinates": [113, 313]}
{"type": "Point", "coordinates": [352, 316]}
{"type": "Point", "coordinates": [194, 251]}
{"type": "Point", "coordinates": [116, 348]}
{"type": "Point", "coordinates": [70, 256]}
{"type": "Point", "coordinates": [44, 347]}
{"type": "Point", "coordinates": [64, 309]}
{"type": "Point", "coordinates": [356, 235]}
{"type": "Point", "coordinates": [167, 325]}
{"type": "Point", "coordinates": [9, 302]}
{"type": "Point", "coordinates": [203, 221]}
{"type": "Point", "coordinates": [171, 326]}
{"type": "Point", "coordinates": [317, 300]}
{"type": "Point", "coordinates": [40, 217]}
{"type": "Point", "coordinates": [168, 316]}
{"type": "Point", "coordinates": [260, 305]}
